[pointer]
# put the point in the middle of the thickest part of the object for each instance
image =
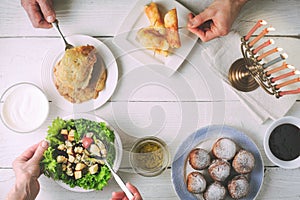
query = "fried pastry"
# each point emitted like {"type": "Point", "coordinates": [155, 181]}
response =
{"type": "Point", "coordinates": [153, 15]}
{"type": "Point", "coordinates": [224, 148]}
{"type": "Point", "coordinates": [75, 68]}
{"type": "Point", "coordinates": [76, 77]}
{"type": "Point", "coordinates": [215, 191]}
{"type": "Point", "coordinates": [153, 38]}
{"type": "Point", "coordinates": [171, 24]}
{"type": "Point", "coordinates": [161, 35]}
{"type": "Point", "coordinates": [238, 187]}
{"type": "Point", "coordinates": [219, 170]}
{"type": "Point", "coordinates": [196, 182]}
{"type": "Point", "coordinates": [199, 158]}
{"type": "Point", "coordinates": [100, 83]}
{"type": "Point", "coordinates": [243, 162]}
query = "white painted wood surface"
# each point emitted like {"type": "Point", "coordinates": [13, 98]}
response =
{"type": "Point", "coordinates": [171, 108]}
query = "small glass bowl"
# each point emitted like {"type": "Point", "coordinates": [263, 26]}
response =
{"type": "Point", "coordinates": [149, 156]}
{"type": "Point", "coordinates": [24, 107]}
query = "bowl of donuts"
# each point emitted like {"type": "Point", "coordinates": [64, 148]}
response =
{"type": "Point", "coordinates": [219, 166]}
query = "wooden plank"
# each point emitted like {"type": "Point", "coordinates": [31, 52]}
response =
{"type": "Point", "coordinates": [171, 121]}
{"type": "Point", "coordinates": [278, 184]}
{"type": "Point", "coordinates": [74, 16]}
{"type": "Point", "coordinates": [82, 17]}
{"type": "Point", "coordinates": [136, 82]}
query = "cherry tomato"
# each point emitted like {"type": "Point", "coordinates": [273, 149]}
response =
{"type": "Point", "coordinates": [86, 142]}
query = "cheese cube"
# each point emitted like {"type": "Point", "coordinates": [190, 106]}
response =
{"type": "Point", "coordinates": [93, 169]}
{"type": "Point", "coordinates": [77, 174]}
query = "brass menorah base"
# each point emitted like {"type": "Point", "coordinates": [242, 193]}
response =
{"type": "Point", "coordinates": [240, 76]}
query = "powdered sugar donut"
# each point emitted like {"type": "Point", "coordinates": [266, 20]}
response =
{"type": "Point", "coordinates": [219, 170]}
{"type": "Point", "coordinates": [199, 158]}
{"type": "Point", "coordinates": [243, 162]}
{"type": "Point", "coordinates": [224, 148]}
{"type": "Point", "coordinates": [196, 182]}
{"type": "Point", "coordinates": [238, 187]}
{"type": "Point", "coordinates": [215, 191]}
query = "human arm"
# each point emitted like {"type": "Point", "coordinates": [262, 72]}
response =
{"type": "Point", "coordinates": [40, 12]}
{"type": "Point", "coordinates": [121, 195]}
{"type": "Point", "coordinates": [27, 171]}
{"type": "Point", "coordinates": [221, 14]}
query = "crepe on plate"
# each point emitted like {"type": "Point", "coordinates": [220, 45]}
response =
{"type": "Point", "coordinates": [161, 35]}
{"type": "Point", "coordinates": [76, 76]}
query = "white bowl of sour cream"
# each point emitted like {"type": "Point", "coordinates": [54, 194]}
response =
{"type": "Point", "coordinates": [24, 107]}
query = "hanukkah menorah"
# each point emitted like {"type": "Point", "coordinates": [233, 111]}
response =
{"type": "Point", "coordinates": [250, 72]}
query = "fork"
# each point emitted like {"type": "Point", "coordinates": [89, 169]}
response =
{"type": "Point", "coordinates": [97, 154]}
{"type": "Point", "coordinates": [67, 45]}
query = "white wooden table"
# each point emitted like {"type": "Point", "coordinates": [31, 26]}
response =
{"type": "Point", "coordinates": [148, 109]}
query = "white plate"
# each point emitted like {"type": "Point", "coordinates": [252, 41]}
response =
{"type": "Point", "coordinates": [103, 54]}
{"type": "Point", "coordinates": [118, 148]}
{"type": "Point", "coordinates": [125, 37]}
{"type": "Point", "coordinates": [204, 138]}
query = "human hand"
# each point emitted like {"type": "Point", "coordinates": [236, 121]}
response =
{"type": "Point", "coordinates": [121, 195]}
{"type": "Point", "coordinates": [216, 20]}
{"type": "Point", "coordinates": [27, 171]}
{"type": "Point", "coordinates": [40, 12]}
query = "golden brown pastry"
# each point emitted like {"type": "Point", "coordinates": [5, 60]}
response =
{"type": "Point", "coordinates": [75, 68]}
{"type": "Point", "coordinates": [171, 24]}
{"type": "Point", "coordinates": [196, 182]}
{"type": "Point", "coordinates": [153, 38]}
{"type": "Point", "coordinates": [219, 170]}
{"type": "Point", "coordinates": [161, 35]}
{"type": "Point", "coordinates": [153, 15]}
{"type": "Point", "coordinates": [75, 76]}
{"type": "Point", "coordinates": [199, 158]}
{"type": "Point", "coordinates": [224, 148]}
{"type": "Point", "coordinates": [243, 162]}
{"type": "Point", "coordinates": [238, 187]}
